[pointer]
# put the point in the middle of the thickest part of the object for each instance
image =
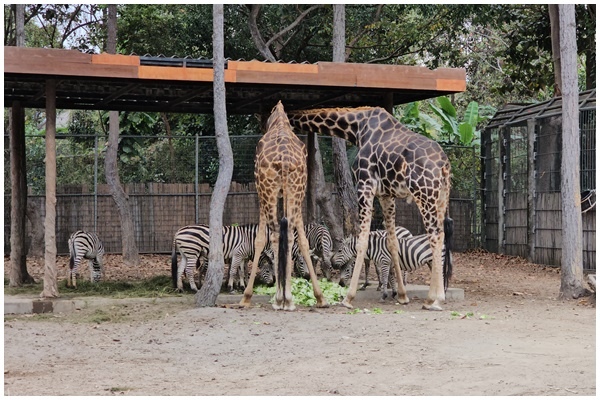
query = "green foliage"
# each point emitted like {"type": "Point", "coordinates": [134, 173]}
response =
{"type": "Point", "coordinates": [158, 286]}
{"type": "Point", "coordinates": [457, 131]}
{"type": "Point", "coordinates": [302, 291]}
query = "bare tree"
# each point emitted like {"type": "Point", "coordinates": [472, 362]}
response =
{"type": "Point", "coordinates": [207, 295]}
{"type": "Point", "coordinates": [343, 176]}
{"type": "Point", "coordinates": [271, 49]}
{"type": "Point", "coordinates": [18, 201]}
{"type": "Point", "coordinates": [130, 251]}
{"type": "Point", "coordinates": [18, 176]}
{"type": "Point", "coordinates": [556, 54]}
{"type": "Point", "coordinates": [571, 283]}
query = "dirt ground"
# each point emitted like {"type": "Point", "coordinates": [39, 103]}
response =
{"type": "Point", "coordinates": [509, 336]}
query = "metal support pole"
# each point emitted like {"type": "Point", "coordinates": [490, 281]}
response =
{"type": "Point", "coordinates": [197, 180]}
{"type": "Point", "coordinates": [531, 134]}
{"type": "Point", "coordinates": [96, 182]}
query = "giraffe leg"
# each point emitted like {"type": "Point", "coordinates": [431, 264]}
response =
{"type": "Point", "coordinates": [388, 204]}
{"type": "Point", "coordinates": [288, 299]}
{"type": "Point", "coordinates": [433, 218]}
{"type": "Point", "coordinates": [365, 200]}
{"type": "Point", "coordinates": [304, 249]}
{"type": "Point", "coordinates": [259, 245]}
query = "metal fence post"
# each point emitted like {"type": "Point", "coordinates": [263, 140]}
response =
{"type": "Point", "coordinates": [531, 136]}
{"type": "Point", "coordinates": [96, 182]}
{"type": "Point", "coordinates": [196, 183]}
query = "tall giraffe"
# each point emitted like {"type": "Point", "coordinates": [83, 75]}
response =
{"type": "Point", "coordinates": [392, 162]}
{"type": "Point", "coordinates": [280, 172]}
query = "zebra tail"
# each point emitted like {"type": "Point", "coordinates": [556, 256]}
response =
{"type": "Point", "coordinates": [174, 265]}
{"type": "Point", "coordinates": [282, 257]}
{"type": "Point", "coordinates": [448, 231]}
{"type": "Point", "coordinates": [72, 255]}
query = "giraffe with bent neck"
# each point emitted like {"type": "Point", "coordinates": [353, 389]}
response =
{"type": "Point", "coordinates": [280, 172]}
{"type": "Point", "coordinates": [392, 162]}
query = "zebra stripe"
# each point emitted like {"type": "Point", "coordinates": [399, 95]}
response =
{"type": "Point", "coordinates": [320, 244]}
{"type": "Point", "coordinates": [193, 241]}
{"type": "Point", "coordinates": [377, 251]}
{"type": "Point", "coordinates": [85, 245]}
{"type": "Point", "coordinates": [414, 251]}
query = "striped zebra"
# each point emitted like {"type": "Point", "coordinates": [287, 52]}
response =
{"type": "Point", "coordinates": [85, 245]}
{"type": "Point", "coordinates": [414, 251]}
{"type": "Point", "coordinates": [320, 245]}
{"type": "Point", "coordinates": [377, 251]}
{"type": "Point", "coordinates": [192, 243]}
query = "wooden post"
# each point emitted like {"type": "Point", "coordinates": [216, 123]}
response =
{"type": "Point", "coordinates": [531, 174]}
{"type": "Point", "coordinates": [50, 273]}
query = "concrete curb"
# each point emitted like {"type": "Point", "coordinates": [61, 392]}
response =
{"type": "Point", "coordinates": [31, 305]}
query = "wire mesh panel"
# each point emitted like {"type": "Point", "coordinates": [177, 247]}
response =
{"type": "Point", "coordinates": [543, 208]}
{"type": "Point", "coordinates": [491, 173]}
{"type": "Point", "coordinates": [515, 192]}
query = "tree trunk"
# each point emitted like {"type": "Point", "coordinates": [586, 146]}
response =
{"type": "Point", "coordinates": [343, 176]}
{"type": "Point", "coordinates": [20, 25]}
{"type": "Point", "coordinates": [50, 272]}
{"type": "Point", "coordinates": [590, 53]}
{"type": "Point", "coordinates": [556, 56]}
{"type": "Point", "coordinates": [130, 252]}
{"type": "Point", "coordinates": [18, 202]}
{"type": "Point", "coordinates": [572, 260]}
{"type": "Point", "coordinates": [171, 149]}
{"type": "Point", "coordinates": [207, 295]}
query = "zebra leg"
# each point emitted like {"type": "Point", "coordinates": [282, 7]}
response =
{"type": "Point", "coordinates": [388, 204]}
{"type": "Point", "coordinates": [365, 199]}
{"type": "Point", "coordinates": [367, 267]}
{"type": "Point", "coordinates": [383, 278]}
{"type": "Point", "coordinates": [96, 270]}
{"type": "Point", "coordinates": [189, 273]}
{"type": "Point", "coordinates": [235, 267]}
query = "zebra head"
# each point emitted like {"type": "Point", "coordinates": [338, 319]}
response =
{"type": "Point", "coordinates": [346, 274]}
{"type": "Point", "coordinates": [343, 254]}
{"type": "Point", "coordinates": [265, 267]}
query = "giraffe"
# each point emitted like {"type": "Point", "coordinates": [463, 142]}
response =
{"type": "Point", "coordinates": [392, 162]}
{"type": "Point", "coordinates": [280, 172]}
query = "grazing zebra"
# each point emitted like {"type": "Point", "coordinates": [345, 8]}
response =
{"type": "Point", "coordinates": [320, 245]}
{"type": "Point", "coordinates": [192, 242]}
{"type": "Point", "coordinates": [376, 250]}
{"type": "Point", "coordinates": [414, 251]}
{"type": "Point", "coordinates": [85, 245]}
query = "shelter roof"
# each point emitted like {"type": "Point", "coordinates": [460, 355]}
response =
{"type": "Point", "coordinates": [518, 114]}
{"type": "Point", "coordinates": [184, 85]}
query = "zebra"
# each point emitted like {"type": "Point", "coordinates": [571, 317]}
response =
{"type": "Point", "coordinates": [414, 251]}
{"type": "Point", "coordinates": [376, 250]}
{"type": "Point", "coordinates": [192, 242]}
{"type": "Point", "coordinates": [85, 245]}
{"type": "Point", "coordinates": [320, 244]}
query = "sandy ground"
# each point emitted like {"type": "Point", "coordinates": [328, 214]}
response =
{"type": "Point", "coordinates": [510, 336]}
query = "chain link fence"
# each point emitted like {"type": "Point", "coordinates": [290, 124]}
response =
{"type": "Point", "coordinates": [169, 183]}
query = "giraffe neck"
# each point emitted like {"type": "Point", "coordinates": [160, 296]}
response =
{"type": "Point", "coordinates": [345, 123]}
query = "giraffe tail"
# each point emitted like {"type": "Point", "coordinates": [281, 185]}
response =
{"type": "Point", "coordinates": [448, 231]}
{"type": "Point", "coordinates": [282, 257]}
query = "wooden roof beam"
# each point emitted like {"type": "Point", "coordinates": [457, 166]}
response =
{"type": "Point", "coordinates": [117, 94]}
